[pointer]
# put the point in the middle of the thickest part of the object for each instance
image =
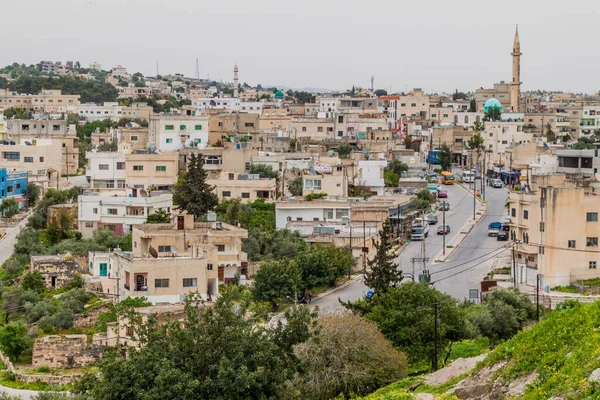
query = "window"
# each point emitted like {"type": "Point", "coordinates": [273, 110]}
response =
{"type": "Point", "coordinates": [249, 124]}
{"type": "Point", "coordinates": [11, 155]}
{"type": "Point", "coordinates": [213, 160]}
{"type": "Point", "coordinates": [29, 159]}
{"type": "Point", "coordinates": [161, 283]}
{"type": "Point", "coordinates": [402, 104]}
{"type": "Point", "coordinates": [138, 167]}
{"type": "Point", "coordinates": [18, 186]}
{"type": "Point", "coordinates": [42, 160]}
{"type": "Point", "coordinates": [319, 129]}
{"type": "Point", "coordinates": [329, 129]}
{"type": "Point", "coordinates": [164, 249]}
{"type": "Point", "coordinates": [245, 195]}
{"type": "Point", "coordinates": [89, 224]}
{"type": "Point", "coordinates": [134, 138]}
{"type": "Point", "coordinates": [525, 214]}
{"type": "Point", "coordinates": [247, 166]}
{"type": "Point", "coordinates": [413, 105]}
{"type": "Point", "coordinates": [112, 211]}
{"type": "Point", "coordinates": [198, 127]}
{"type": "Point", "coordinates": [161, 168]}
{"type": "Point", "coordinates": [591, 217]}
{"type": "Point", "coordinates": [120, 165]}
{"type": "Point", "coordinates": [571, 244]}
{"type": "Point", "coordinates": [592, 264]}
{"type": "Point", "coordinates": [303, 129]}
{"type": "Point", "coordinates": [182, 127]}
{"type": "Point", "coordinates": [9, 189]}
{"type": "Point", "coordinates": [591, 242]}
{"type": "Point", "coordinates": [226, 193]}
{"type": "Point", "coordinates": [190, 282]}
{"type": "Point", "coordinates": [169, 127]}
{"type": "Point", "coordinates": [513, 212]}
{"type": "Point", "coordinates": [103, 167]}
{"type": "Point", "coordinates": [95, 211]}
{"type": "Point", "coordinates": [220, 248]}
{"type": "Point", "coordinates": [445, 115]}
{"type": "Point", "coordinates": [312, 184]}
{"type": "Point", "coordinates": [433, 115]}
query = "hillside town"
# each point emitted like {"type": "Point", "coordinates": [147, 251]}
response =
{"type": "Point", "coordinates": [138, 211]}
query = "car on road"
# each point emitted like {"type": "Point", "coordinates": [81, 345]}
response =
{"type": "Point", "coordinates": [494, 228]}
{"type": "Point", "coordinates": [444, 206]}
{"type": "Point", "coordinates": [502, 235]}
{"type": "Point", "coordinates": [431, 175]}
{"type": "Point", "coordinates": [496, 183]}
{"type": "Point", "coordinates": [432, 219]}
{"type": "Point", "coordinates": [442, 194]}
{"type": "Point", "coordinates": [476, 173]}
{"type": "Point", "coordinates": [443, 229]}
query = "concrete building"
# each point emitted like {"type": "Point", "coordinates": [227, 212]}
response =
{"type": "Point", "coordinates": [223, 125]}
{"type": "Point", "coordinates": [13, 185]}
{"type": "Point", "coordinates": [250, 107]}
{"type": "Point", "coordinates": [151, 171]}
{"type": "Point", "coordinates": [174, 132]}
{"type": "Point", "coordinates": [106, 170]}
{"type": "Point", "coordinates": [227, 104]}
{"type": "Point", "coordinates": [220, 159]}
{"type": "Point", "coordinates": [311, 129]}
{"type": "Point", "coordinates": [118, 211]}
{"type": "Point", "coordinates": [500, 135]}
{"type": "Point", "coordinates": [370, 175]}
{"type": "Point", "coordinates": [247, 187]}
{"type": "Point", "coordinates": [113, 111]}
{"type": "Point", "coordinates": [274, 120]}
{"type": "Point", "coordinates": [48, 101]}
{"type": "Point", "coordinates": [138, 137]}
{"type": "Point", "coordinates": [56, 270]}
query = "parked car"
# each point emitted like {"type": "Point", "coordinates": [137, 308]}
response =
{"type": "Point", "coordinates": [502, 235]}
{"type": "Point", "coordinates": [496, 183]}
{"type": "Point", "coordinates": [443, 229]}
{"type": "Point", "coordinates": [432, 219]}
{"type": "Point", "coordinates": [477, 174]}
{"type": "Point", "coordinates": [444, 206]}
{"type": "Point", "coordinates": [442, 194]}
{"type": "Point", "coordinates": [432, 175]}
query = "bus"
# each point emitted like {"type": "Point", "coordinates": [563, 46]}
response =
{"type": "Point", "coordinates": [468, 177]}
{"type": "Point", "coordinates": [447, 178]}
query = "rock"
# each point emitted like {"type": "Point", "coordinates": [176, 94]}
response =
{"type": "Point", "coordinates": [456, 368]}
{"type": "Point", "coordinates": [479, 385]}
{"type": "Point", "coordinates": [425, 396]}
{"type": "Point", "coordinates": [595, 376]}
{"type": "Point", "coordinates": [517, 387]}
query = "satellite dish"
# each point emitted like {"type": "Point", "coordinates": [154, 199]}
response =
{"type": "Point", "coordinates": [153, 252]}
{"type": "Point", "coordinates": [27, 143]}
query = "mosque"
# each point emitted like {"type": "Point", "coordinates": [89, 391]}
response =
{"type": "Point", "coordinates": [506, 96]}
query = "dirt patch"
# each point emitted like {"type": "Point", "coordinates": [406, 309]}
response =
{"type": "Point", "coordinates": [458, 367]}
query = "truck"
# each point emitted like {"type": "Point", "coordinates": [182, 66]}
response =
{"type": "Point", "coordinates": [494, 228]}
{"type": "Point", "coordinates": [419, 229]}
{"type": "Point", "coordinates": [433, 157]}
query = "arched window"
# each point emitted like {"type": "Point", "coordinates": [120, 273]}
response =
{"type": "Point", "coordinates": [478, 119]}
{"type": "Point", "coordinates": [456, 119]}
{"type": "Point", "coordinates": [466, 119]}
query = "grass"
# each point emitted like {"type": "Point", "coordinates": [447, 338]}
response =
{"type": "Point", "coordinates": [565, 289]}
{"type": "Point", "coordinates": [8, 379]}
{"type": "Point", "coordinates": [470, 348]}
{"type": "Point", "coordinates": [592, 282]}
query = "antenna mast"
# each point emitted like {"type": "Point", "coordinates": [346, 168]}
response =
{"type": "Point", "coordinates": [197, 70]}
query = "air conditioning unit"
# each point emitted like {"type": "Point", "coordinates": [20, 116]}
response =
{"type": "Point", "coordinates": [345, 220]}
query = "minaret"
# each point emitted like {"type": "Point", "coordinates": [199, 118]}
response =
{"type": "Point", "coordinates": [236, 84]}
{"type": "Point", "coordinates": [515, 88]}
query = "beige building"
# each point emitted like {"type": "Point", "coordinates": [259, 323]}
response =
{"type": "Point", "coordinates": [48, 101]}
{"type": "Point", "coordinates": [329, 179]}
{"type": "Point", "coordinates": [220, 159]}
{"type": "Point", "coordinates": [222, 125]}
{"type": "Point", "coordinates": [145, 171]}
{"type": "Point", "coordinates": [248, 188]}
{"type": "Point", "coordinates": [311, 129]}
{"type": "Point", "coordinates": [273, 120]}
{"type": "Point", "coordinates": [137, 137]}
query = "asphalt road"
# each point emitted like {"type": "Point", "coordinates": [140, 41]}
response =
{"type": "Point", "coordinates": [457, 275]}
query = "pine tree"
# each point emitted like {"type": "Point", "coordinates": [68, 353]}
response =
{"type": "Point", "coordinates": [192, 193]}
{"type": "Point", "coordinates": [384, 272]}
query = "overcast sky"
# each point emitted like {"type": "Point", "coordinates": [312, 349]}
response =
{"type": "Point", "coordinates": [434, 44]}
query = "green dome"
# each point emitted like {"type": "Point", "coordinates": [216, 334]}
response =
{"type": "Point", "coordinates": [492, 103]}
{"type": "Point", "coordinates": [279, 95]}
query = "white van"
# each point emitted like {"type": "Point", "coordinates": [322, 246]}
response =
{"type": "Point", "coordinates": [468, 177]}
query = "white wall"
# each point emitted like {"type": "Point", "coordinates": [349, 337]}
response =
{"type": "Point", "coordinates": [307, 214]}
{"type": "Point", "coordinates": [371, 174]}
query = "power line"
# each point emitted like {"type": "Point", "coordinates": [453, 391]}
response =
{"type": "Point", "coordinates": [460, 272]}
{"type": "Point", "coordinates": [562, 248]}
{"type": "Point", "coordinates": [498, 250]}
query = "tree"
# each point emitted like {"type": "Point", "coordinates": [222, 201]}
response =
{"type": "Point", "coordinates": [422, 201]}
{"type": "Point", "coordinates": [34, 281]}
{"type": "Point", "coordinates": [383, 272]}
{"type": "Point", "coordinates": [397, 167]}
{"type": "Point", "coordinates": [380, 92]}
{"type": "Point", "coordinates": [458, 95]}
{"type": "Point", "coordinates": [295, 186]}
{"type": "Point", "coordinates": [405, 315]}
{"type": "Point", "coordinates": [445, 156]}
{"type": "Point", "coordinates": [159, 217]}
{"type": "Point", "coordinates": [265, 171]}
{"type": "Point", "coordinates": [271, 244]}
{"type": "Point", "coordinates": [550, 134]}
{"type": "Point", "coordinates": [14, 339]}
{"type": "Point", "coordinates": [16, 113]}
{"type": "Point", "coordinates": [346, 356]}
{"type": "Point", "coordinates": [191, 192]}
{"type": "Point", "coordinates": [276, 279]}
{"type": "Point", "coordinates": [9, 207]}
{"type": "Point", "coordinates": [32, 193]}
{"type": "Point", "coordinates": [344, 150]}
{"type": "Point", "coordinates": [473, 105]}
{"type": "Point", "coordinates": [322, 264]}
{"type": "Point", "coordinates": [475, 143]}
{"type": "Point", "coordinates": [407, 142]}
{"type": "Point", "coordinates": [219, 352]}
{"type": "Point", "coordinates": [391, 179]}
{"type": "Point", "coordinates": [493, 114]}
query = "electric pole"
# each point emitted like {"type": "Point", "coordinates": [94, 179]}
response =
{"type": "Point", "coordinates": [350, 247]}
{"type": "Point", "coordinates": [537, 298]}
{"type": "Point", "coordinates": [514, 262]}
{"type": "Point", "coordinates": [435, 336]}
{"type": "Point", "coordinates": [364, 249]}
{"type": "Point", "coordinates": [444, 235]}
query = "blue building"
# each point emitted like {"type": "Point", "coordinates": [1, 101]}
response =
{"type": "Point", "coordinates": [12, 185]}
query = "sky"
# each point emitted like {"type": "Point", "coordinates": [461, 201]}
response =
{"type": "Point", "coordinates": [436, 45]}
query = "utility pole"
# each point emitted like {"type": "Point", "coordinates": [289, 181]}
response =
{"type": "Point", "coordinates": [483, 174]}
{"type": "Point", "coordinates": [537, 298]}
{"type": "Point", "coordinates": [350, 246]}
{"type": "Point", "coordinates": [423, 250]}
{"type": "Point", "coordinates": [474, 198]}
{"type": "Point", "coordinates": [413, 260]}
{"type": "Point", "coordinates": [444, 235]}
{"type": "Point", "coordinates": [435, 336]}
{"type": "Point", "coordinates": [364, 247]}
{"type": "Point", "coordinates": [514, 265]}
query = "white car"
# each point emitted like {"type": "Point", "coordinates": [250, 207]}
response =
{"type": "Point", "coordinates": [496, 183]}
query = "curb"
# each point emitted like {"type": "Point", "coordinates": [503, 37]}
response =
{"type": "Point", "coordinates": [352, 280]}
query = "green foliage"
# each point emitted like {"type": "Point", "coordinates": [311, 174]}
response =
{"type": "Point", "coordinates": [14, 339]}
{"type": "Point", "coordinates": [445, 157]}
{"type": "Point", "coordinates": [271, 244]}
{"type": "Point", "coordinates": [276, 279]}
{"type": "Point", "coordinates": [90, 90]}
{"type": "Point", "coordinates": [110, 146]}
{"type": "Point", "coordinates": [265, 171]}
{"type": "Point", "coordinates": [321, 264]}
{"type": "Point", "coordinates": [9, 207]}
{"type": "Point", "coordinates": [397, 167]}
{"type": "Point", "coordinates": [493, 114]}
{"type": "Point", "coordinates": [472, 105]}
{"type": "Point", "coordinates": [380, 92]}
{"type": "Point", "coordinates": [295, 186]}
{"type": "Point", "coordinates": [422, 201]}
{"type": "Point", "coordinates": [348, 355]}
{"type": "Point", "coordinates": [32, 193]}
{"type": "Point", "coordinates": [16, 113]}
{"type": "Point", "coordinates": [383, 273]}
{"type": "Point", "coordinates": [344, 150]}
{"type": "Point", "coordinates": [159, 217]}
{"type": "Point", "coordinates": [314, 196]}
{"type": "Point", "coordinates": [192, 193]}
{"type": "Point", "coordinates": [121, 307]}
{"type": "Point", "coordinates": [34, 281]}
{"type": "Point", "coordinates": [475, 142]}
{"type": "Point", "coordinates": [391, 179]}
{"type": "Point", "coordinates": [236, 357]}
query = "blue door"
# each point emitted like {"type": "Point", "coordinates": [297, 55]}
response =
{"type": "Point", "coordinates": [103, 270]}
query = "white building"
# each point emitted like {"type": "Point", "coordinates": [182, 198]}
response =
{"type": "Point", "coordinates": [326, 210]}
{"type": "Point", "coordinates": [119, 70]}
{"type": "Point", "coordinates": [105, 170]}
{"type": "Point", "coordinates": [250, 107]}
{"type": "Point", "coordinates": [589, 121]}
{"type": "Point", "coordinates": [328, 106]}
{"type": "Point", "coordinates": [93, 112]}
{"type": "Point", "coordinates": [500, 135]}
{"type": "Point", "coordinates": [96, 66]}
{"type": "Point", "coordinates": [370, 175]}
{"type": "Point", "coordinates": [466, 118]}
{"type": "Point", "coordinates": [174, 132]}
{"type": "Point", "coordinates": [118, 211]}
{"type": "Point", "coordinates": [227, 103]}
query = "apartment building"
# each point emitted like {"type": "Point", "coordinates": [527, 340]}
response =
{"type": "Point", "coordinates": [370, 175]}
{"type": "Point", "coordinates": [498, 136]}
{"type": "Point", "coordinates": [118, 211]}
{"type": "Point", "coordinates": [538, 218]}
{"type": "Point", "coordinates": [132, 92]}
{"type": "Point", "coordinates": [48, 101]}
{"type": "Point", "coordinates": [220, 159]}
{"type": "Point", "coordinates": [246, 187]}
{"type": "Point", "coordinates": [105, 170]}
{"type": "Point", "coordinates": [227, 104]}
{"type": "Point", "coordinates": [273, 120]}
{"type": "Point", "coordinates": [151, 171]}
{"type": "Point", "coordinates": [311, 129]}
{"type": "Point", "coordinates": [113, 111]}
{"type": "Point", "coordinates": [222, 125]}
{"type": "Point", "coordinates": [328, 178]}
{"type": "Point", "coordinates": [500, 92]}
{"type": "Point", "coordinates": [174, 132]}
{"type": "Point", "coordinates": [12, 186]}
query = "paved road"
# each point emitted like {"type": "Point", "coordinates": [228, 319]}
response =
{"type": "Point", "coordinates": [7, 243]}
{"type": "Point", "coordinates": [477, 244]}
{"type": "Point", "coordinates": [21, 394]}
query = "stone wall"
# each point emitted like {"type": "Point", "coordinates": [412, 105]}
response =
{"type": "Point", "coordinates": [64, 352]}
{"type": "Point", "coordinates": [88, 319]}
{"type": "Point", "coordinates": [56, 270]}
{"type": "Point", "coordinates": [49, 379]}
